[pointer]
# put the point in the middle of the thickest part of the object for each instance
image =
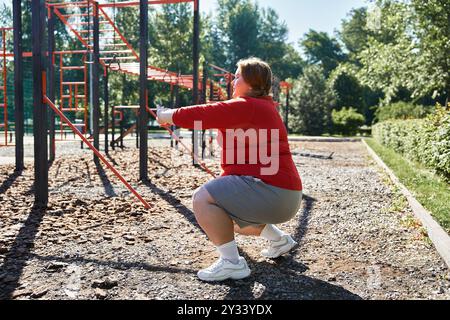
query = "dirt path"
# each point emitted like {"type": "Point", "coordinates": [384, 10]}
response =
{"type": "Point", "coordinates": [96, 241]}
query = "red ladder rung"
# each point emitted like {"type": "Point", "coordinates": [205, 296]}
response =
{"type": "Point", "coordinates": [72, 110]}
{"type": "Point", "coordinates": [101, 30]}
{"type": "Point", "coordinates": [114, 44]}
{"type": "Point", "coordinates": [66, 96]}
{"type": "Point", "coordinates": [116, 51]}
{"type": "Point", "coordinates": [87, 23]}
{"type": "Point", "coordinates": [76, 15]}
{"type": "Point", "coordinates": [73, 83]}
{"type": "Point", "coordinates": [73, 68]}
{"type": "Point", "coordinates": [118, 58]}
{"type": "Point", "coordinates": [75, 124]}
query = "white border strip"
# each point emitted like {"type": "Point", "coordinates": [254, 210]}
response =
{"type": "Point", "coordinates": [436, 233]}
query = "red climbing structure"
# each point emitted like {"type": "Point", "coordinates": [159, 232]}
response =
{"type": "Point", "coordinates": [4, 57]}
{"type": "Point", "coordinates": [74, 94]}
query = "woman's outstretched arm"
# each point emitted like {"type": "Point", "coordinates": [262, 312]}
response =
{"type": "Point", "coordinates": [230, 114]}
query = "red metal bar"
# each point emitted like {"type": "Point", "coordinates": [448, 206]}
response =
{"type": "Point", "coordinates": [127, 107]}
{"type": "Point", "coordinates": [97, 153]}
{"type": "Point", "coordinates": [75, 97]}
{"type": "Point", "coordinates": [113, 45]}
{"type": "Point", "coordinates": [115, 51]}
{"type": "Point", "coordinates": [76, 15]}
{"type": "Point", "coordinates": [87, 23]}
{"type": "Point", "coordinates": [5, 96]}
{"type": "Point", "coordinates": [117, 58]}
{"type": "Point", "coordinates": [101, 30]}
{"type": "Point", "coordinates": [63, 5]}
{"type": "Point", "coordinates": [136, 3]}
{"type": "Point", "coordinates": [70, 95]}
{"type": "Point", "coordinates": [86, 127]}
{"type": "Point", "coordinates": [73, 68]}
{"type": "Point", "coordinates": [220, 69]}
{"type": "Point", "coordinates": [61, 91]}
{"type": "Point", "coordinates": [72, 83]}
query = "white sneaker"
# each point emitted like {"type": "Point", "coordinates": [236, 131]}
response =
{"type": "Point", "coordinates": [223, 269]}
{"type": "Point", "coordinates": [280, 247]}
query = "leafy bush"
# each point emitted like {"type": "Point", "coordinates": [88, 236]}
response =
{"type": "Point", "coordinates": [402, 111]}
{"type": "Point", "coordinates": [424, 140]}
{"type": "Point", "coordinates": [347, 121]}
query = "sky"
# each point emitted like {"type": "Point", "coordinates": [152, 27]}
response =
{"type": "Point", "coordinates": [299, 15]}
{"type": "Point", "coordinates": [302, 15]}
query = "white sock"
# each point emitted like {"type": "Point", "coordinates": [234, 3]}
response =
{"type": "Point", "coordinates": [229, 252]}
{"type": "Point", "coordinates": [271, 233]}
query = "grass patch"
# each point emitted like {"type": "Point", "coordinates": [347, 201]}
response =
{"type": "Point", "coordinates": [432, 191]}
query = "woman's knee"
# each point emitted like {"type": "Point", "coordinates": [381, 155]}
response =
{"type": "Point", "coordinates": [201, 197]}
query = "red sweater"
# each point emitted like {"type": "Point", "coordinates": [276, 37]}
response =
{"type": "Point", "coordinates": [260, 121]}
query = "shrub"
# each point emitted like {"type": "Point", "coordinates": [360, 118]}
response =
{"type": "Point", "coordinates": [423, 140]}
{"type": "Point", "coordinates": [347, 121]}
{"type": "Point", "coordinates": [402, 111]}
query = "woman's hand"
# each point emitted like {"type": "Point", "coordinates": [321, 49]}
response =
{"type": "Point", "coordinates": [164, 115]}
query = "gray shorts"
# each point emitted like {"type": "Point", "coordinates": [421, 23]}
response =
{"type": "Point", "coordinates": [249, 201]}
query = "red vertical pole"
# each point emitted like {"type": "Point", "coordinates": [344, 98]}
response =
{"type": "Point", "coordinates": [5, 96]}
{"type": "Point", "coordinates": [61, 91]}
{"type": "Point", "coordinates": [86, 127]}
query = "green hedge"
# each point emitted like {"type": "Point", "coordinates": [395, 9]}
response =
{"type": "Point", "coordinates": [402, 111]}
{"type": "Point", "coordinates": [423, 140]}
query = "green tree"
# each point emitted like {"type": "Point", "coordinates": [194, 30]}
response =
{"type": "Point", "coordinates": [312, 102]}
{"type": "Point", "coordinates": [433, 29]}
{"type": "Point", "coordinates": [407, 56]}
{"type": "Point", "coordinates": [273, 47]}
{"type": "Point", "coordinates": [247, 30]}
{"type": "Point", "coordinates": [323, 50]}
{"type": "Point", "coordinates": [354, 32]}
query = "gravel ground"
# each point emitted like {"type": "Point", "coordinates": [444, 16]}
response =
{"type": "Point", "coordinates": [95, 241]}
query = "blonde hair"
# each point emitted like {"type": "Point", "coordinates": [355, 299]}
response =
{"type": "Point", "coordinates": [257, 74]}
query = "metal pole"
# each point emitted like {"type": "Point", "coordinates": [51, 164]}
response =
{"type": "Point", "coordinates": [143, 94]}
{"type": "Point", "coordinates": [113, 127]}
{"type": "Point", "coordinates": [177, 105]}
{"type": "Point", "coordinates": [137, 130]}
{"type": "Point", "coordinates": [204, 84]}
{"type": "Point", "coordinates": [39, 107]}
{"type": "Point", "coordinates": [91, 72]}
{"type": "Point", "coordinates": [106, 114]}
{"type": "Point", "coordinates": [195, 55]}
{"type": "Point", "coordinates": [211, 90]}
{"type": "Point", "coordinates": [286, 120]}
{"type": "Point", "coordinates": [229, 93]}
{"type": "Point", "coordinates": [96, 83]}
{"type": "Point", "coordinates": [211, 98]}
{"type": "Point", "coordinates": [122, 130]}
{"type": "Point", "coordinates": [51, 81]}
{"type": "Point", "coordinates": [18, 84]}
{"type": "Point", "coordinates": [171, 106]}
